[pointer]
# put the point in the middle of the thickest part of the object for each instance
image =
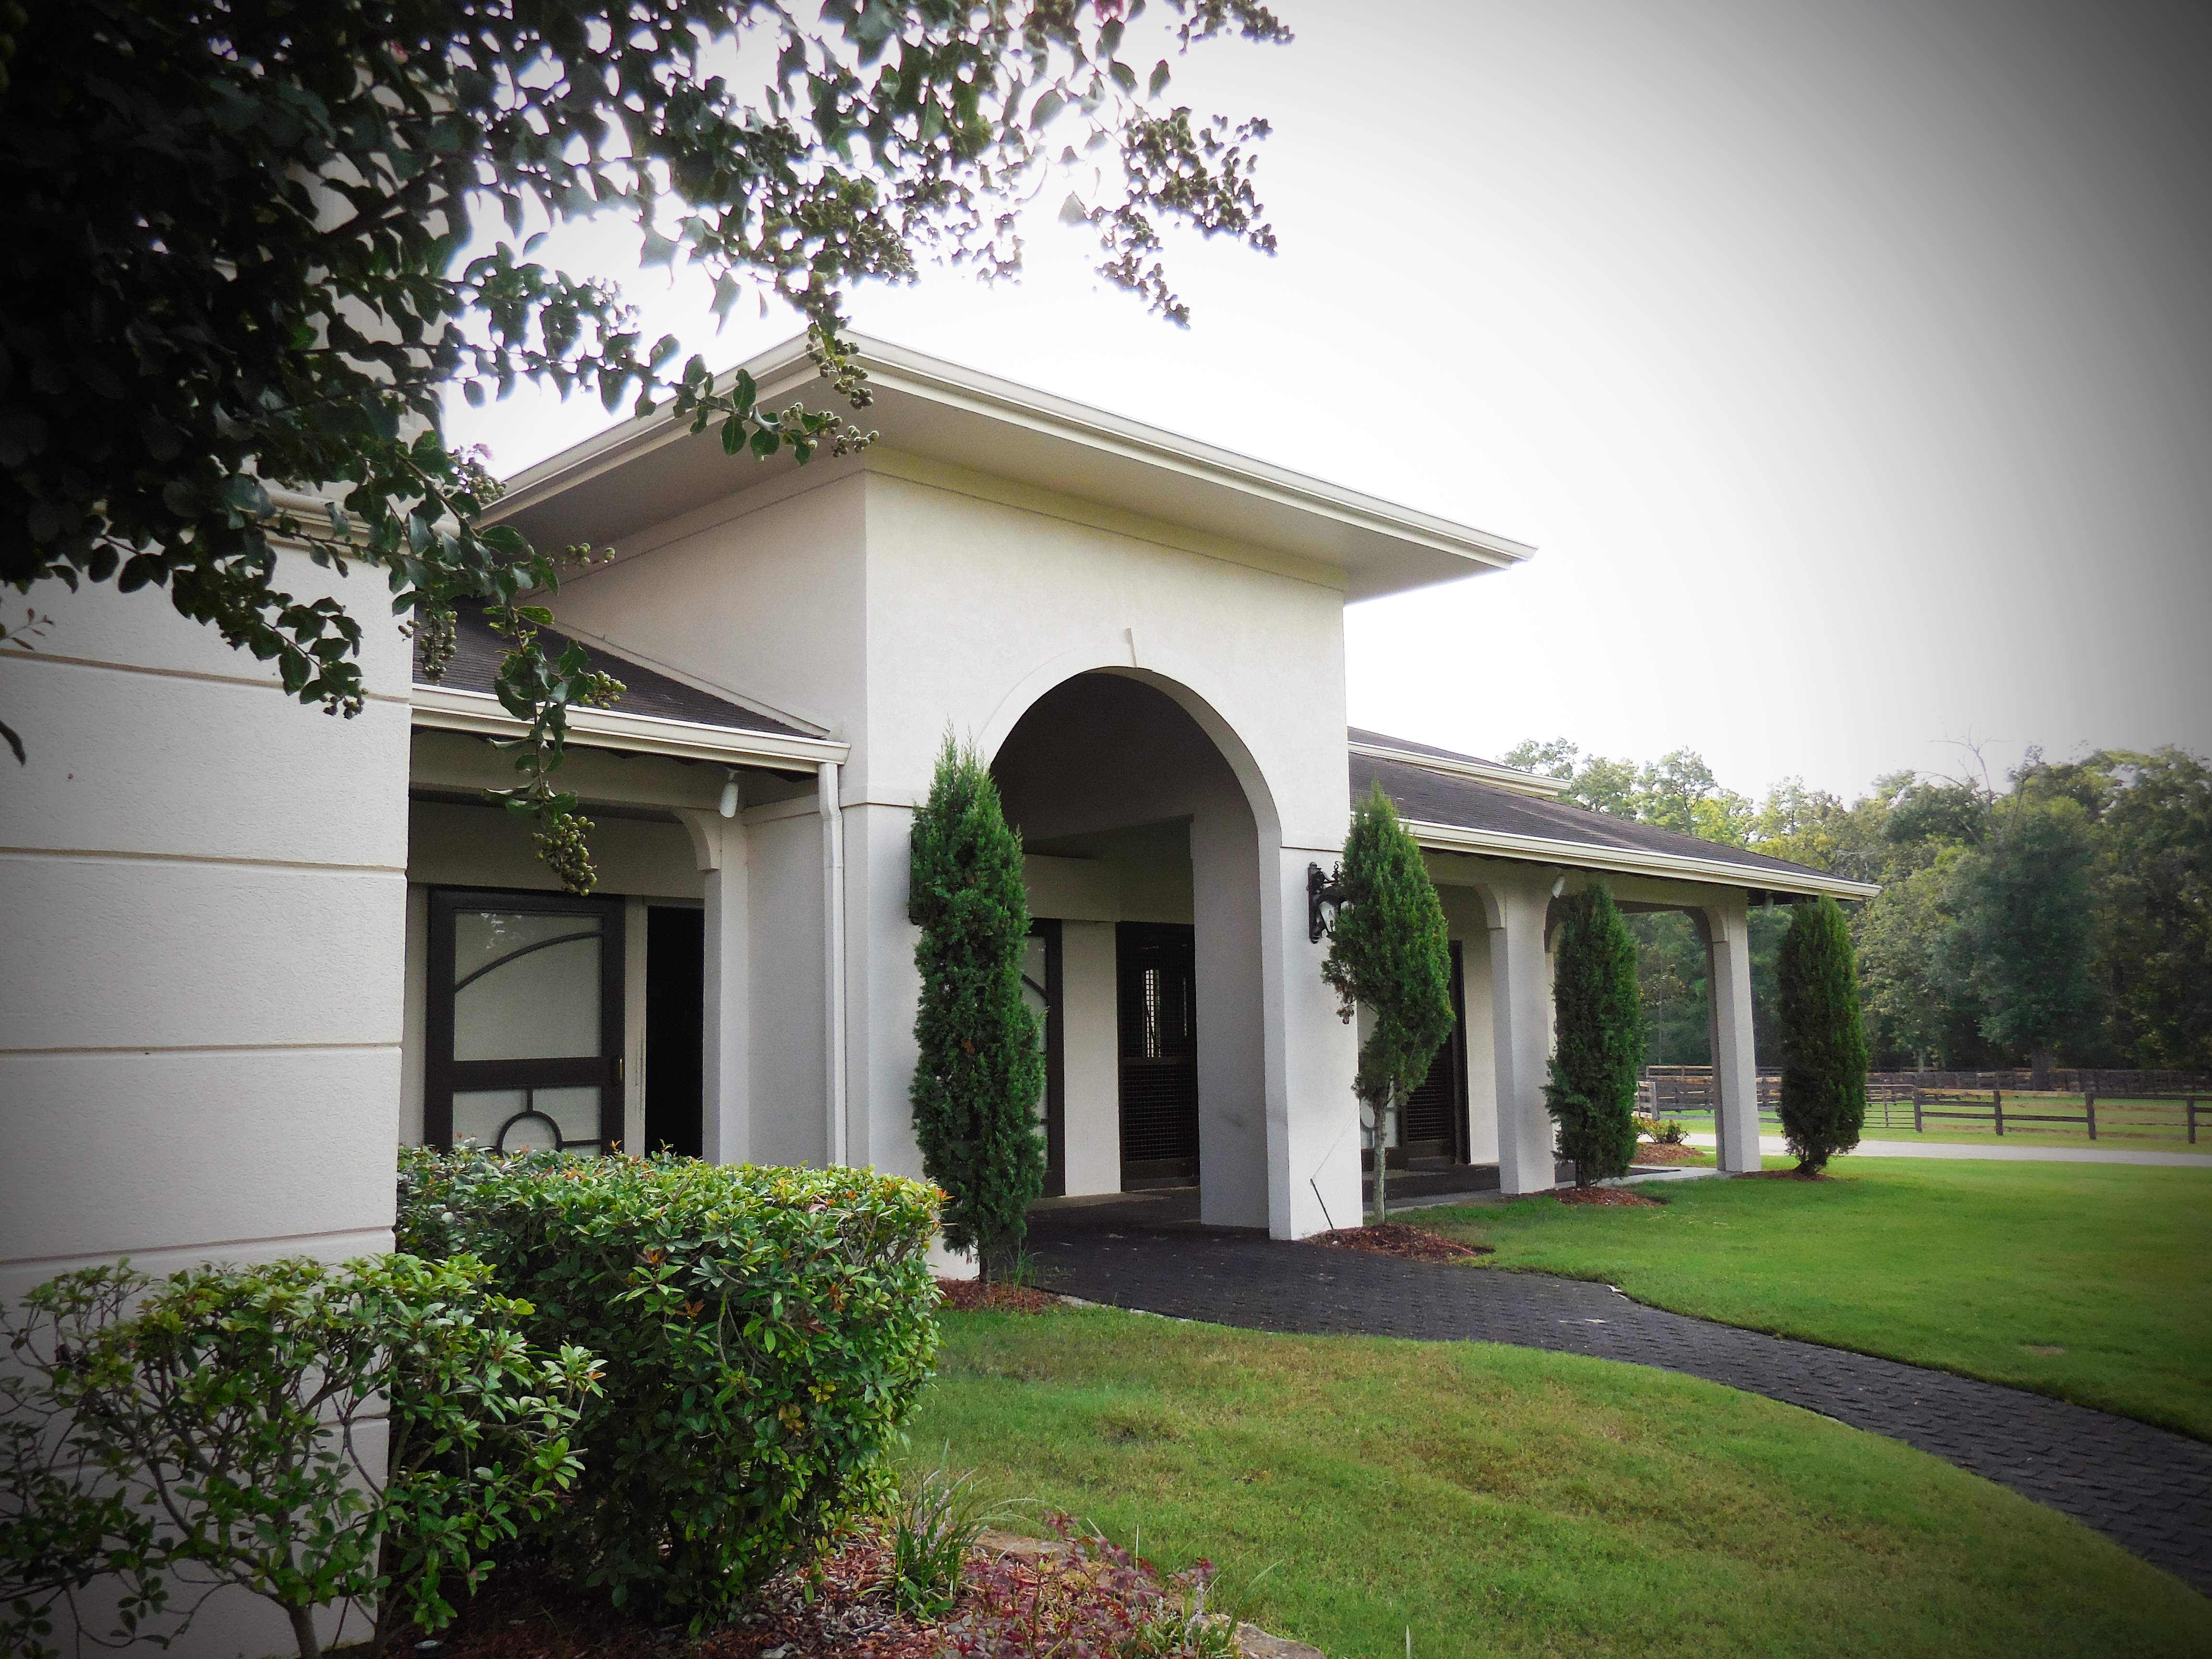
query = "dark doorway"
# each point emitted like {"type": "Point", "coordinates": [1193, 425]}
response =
{"type": "Point", "coordinates": [1157, 964]}
{"type": "Point", "coordinates": [1041, 990]}
{"type": "Point", "coordinates": [674, 1026]}
{"type": "Point", "coordinates": [1433, 1131]}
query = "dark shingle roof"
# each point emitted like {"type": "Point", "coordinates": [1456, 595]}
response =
{"type": "Point", "coordinates": [1469, 804]}
{"type": "Point", "coordinates": [1385, 740]}
{"type": "Point", "coordinates": [475, 666]}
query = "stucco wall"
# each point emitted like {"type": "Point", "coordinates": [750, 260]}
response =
{"type": "Point", "coordinates": [200, 1002]}
{"type": "Point", "coordinates": [206, 900]}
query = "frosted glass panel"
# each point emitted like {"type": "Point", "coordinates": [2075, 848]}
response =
{"type": "Point", "coordinates": [552, 1115]}
{"type": "Point", "coordinates": [576, 1111]}
{"type": "Point", "coordinates": [478, 1113]}
{"type": "Point", "coordinates": [527, 986]}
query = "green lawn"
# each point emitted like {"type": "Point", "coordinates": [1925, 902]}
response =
{"type": "Point", "coordinates": [1502, 1501]}
{"type": "Point", "coordinates": [1970, 1265]}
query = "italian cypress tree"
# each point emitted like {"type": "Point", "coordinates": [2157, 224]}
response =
{"type": "Point", "coordinates": [1600, 1042]}
{"type": "Point", "coordinates": [1391, 953]}
{"type": "Point", "coordinates": [981, 1070]}
{"type": "Point", "coordinates": [1824, 1047]}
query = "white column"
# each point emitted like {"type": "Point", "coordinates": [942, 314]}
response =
{"type": "Point", "coordinates": [1520, 1026]}
{"type": "Point", "coordinates": [1726, 927]}
{"type": "Point", "coordinates": [833, 958]}
{"type": "Point", "coordinates": [726, 1103]}
{"type": "Point", "coordinates": [1311, 1055]}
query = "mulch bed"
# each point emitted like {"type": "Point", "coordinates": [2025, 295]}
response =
{"type": "Point", "coordinates": [973, 1296]}
{"type": "Point", "coordinates": [1395, 1238]}
{"type": "Point", "coordinates": [839, 1606]}
{"type": "Point", "coordinates": [1014, 1589]}
{"type": "Point", "coordinates": [1612, 1197]}
{"type": "Point", "coordinates": [1658, 1151]}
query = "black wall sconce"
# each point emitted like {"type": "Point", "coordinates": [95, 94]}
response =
{"type": "Point", "coordinates": [1324, 900]}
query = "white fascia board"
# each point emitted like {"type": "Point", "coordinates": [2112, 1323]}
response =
{"type": "Point", "coordinates": [896, 367]}
{"type": "Point", "coordinates": [480, 714]}
{"type": "Point", "coordinates": [1582, 856]}
{"type": "Point", "coordinates": [1501, 777]}
{"type": "Point", "coordinates": [785, 370]}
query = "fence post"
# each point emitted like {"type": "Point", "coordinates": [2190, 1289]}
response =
{"type": "Point", "coordinates": [2090, 1105]}
{"type": "Point", "coordinates": [2191, 1109]}
{"type": "Point", "coordinates": [1917, 1128]}
{"type": "Point", "coordinates": [1997, 1098]}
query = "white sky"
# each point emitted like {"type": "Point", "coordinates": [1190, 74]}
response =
{"type": "Point", "coordinates": [1848, 365]}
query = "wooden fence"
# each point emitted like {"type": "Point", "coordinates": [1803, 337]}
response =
{"type": "Point", "coordinates": [1998, 1101]}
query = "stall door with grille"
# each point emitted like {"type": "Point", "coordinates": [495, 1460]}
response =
{"type": "Point", "coordinates": [1435, 1123]}
{"type": "Point", "coordinates": [525, 1024]}
{"type": "Point", "coordinates": [1158, 998]}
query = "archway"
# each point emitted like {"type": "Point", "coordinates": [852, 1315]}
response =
{"type": "Point", "coordinates": [1145, 848]}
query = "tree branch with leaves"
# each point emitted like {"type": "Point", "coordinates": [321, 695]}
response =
{"type": "Point", "coordinates": [244, 266]}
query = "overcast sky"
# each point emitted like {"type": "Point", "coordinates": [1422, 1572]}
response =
{"type": "Point", "coordinates": [1848, 365]}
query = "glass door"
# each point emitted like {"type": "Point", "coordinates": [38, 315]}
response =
{"type": "Point", "coordinates": [525, 1029]}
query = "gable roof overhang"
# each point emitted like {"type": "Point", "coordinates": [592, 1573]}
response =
{"type": "Point", "coordinates": [647, 471]}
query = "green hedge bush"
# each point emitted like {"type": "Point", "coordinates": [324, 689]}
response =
{"type": "Point", "coordinates": [763, 1335]}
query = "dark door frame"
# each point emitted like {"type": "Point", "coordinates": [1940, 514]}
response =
{"type": "Point", "coordinates": [1456, 1144]}
{"type": "Point", "coordinates": [1055, 1059]}
{"type": "Point", "coordinates": [443, 1075]}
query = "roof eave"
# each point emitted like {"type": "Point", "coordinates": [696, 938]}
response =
{"type": "Point", "coordinates": [1625, 860]}
{"type": "Point", "coordinates": [783, 370]}
{"type": "Point", "coordinates": [437, 710]}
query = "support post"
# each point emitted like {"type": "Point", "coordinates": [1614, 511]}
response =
{"type": "Point", "coordinates": [1521, 1001]}
{"type": "Point", "coordinates": [726, 1011]}
{"type": "Point", "coordinates": [1727, 930]}
{"type": "Point", "coordinates": [833, 955]}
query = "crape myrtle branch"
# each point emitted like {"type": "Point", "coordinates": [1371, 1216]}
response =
{"type": "Point", "coordinates": [238, 263]}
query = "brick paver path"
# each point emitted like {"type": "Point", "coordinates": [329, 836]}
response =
{"type": "Point", "coordinates": [2148, 1489]}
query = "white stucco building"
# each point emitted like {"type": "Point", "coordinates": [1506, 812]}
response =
{"type": "Point", "coordinates": [252, 950]}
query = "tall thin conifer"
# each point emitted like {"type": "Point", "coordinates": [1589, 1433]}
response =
{"type": "Point", "coordinates": [981, 1070]}
{"type": "Point", "coordinates": [1599, 1048]}
{"type": "Point", "coordinates": [1824, 1046]}
{"type": "Point", "coordinates": [1392, 954]}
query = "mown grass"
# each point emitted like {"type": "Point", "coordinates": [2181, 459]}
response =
{"type": "Point", "coordinates": [1970, 1265]}
{"type": "Point", "coordinates": [1496, 1500]}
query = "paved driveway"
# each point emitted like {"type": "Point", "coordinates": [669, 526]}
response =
{"type": "Point", "coordinates": [2148, 1489]}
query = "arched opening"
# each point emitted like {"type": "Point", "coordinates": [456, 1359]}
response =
{"type": "Point", "coordinates": [1143, 863]}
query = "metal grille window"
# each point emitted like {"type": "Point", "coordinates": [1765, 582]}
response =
{"type": "Point", "coordinates": [1159, 1050]}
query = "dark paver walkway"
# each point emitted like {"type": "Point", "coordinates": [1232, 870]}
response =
{"type": "Point", "coordinates": [2148, 1489]}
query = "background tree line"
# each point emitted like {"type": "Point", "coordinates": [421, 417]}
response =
{"type": "Point", "coordinates": [2062, 917]}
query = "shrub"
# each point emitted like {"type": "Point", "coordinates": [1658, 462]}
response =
{"type": "Point", "coordinates": [764, 1334]}
{"type": "Point", "coordinates": [1592, 1091]}
{"type": "Point", "coordinates": [980, 1069]}
{"type": "Point", "coordinates": [1824, 1048]}
{"type": "Point", "coordinates": [205, 1432]}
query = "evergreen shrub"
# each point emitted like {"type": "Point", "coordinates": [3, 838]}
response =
{"type": "Point", "coordinates": [979, 1071]}
{"type": "Point", "coordinates": [1824, 1046]}
{"type": "Point", "coordinates": [1599, 1044]}
{"type": "Point", "coordinates": [1391, 954]}
{"type": "Point", "coordinates": [762, 1334]}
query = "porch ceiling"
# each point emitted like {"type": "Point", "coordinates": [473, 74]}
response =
{"type": "Point", "coordinates": [646, 472]}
